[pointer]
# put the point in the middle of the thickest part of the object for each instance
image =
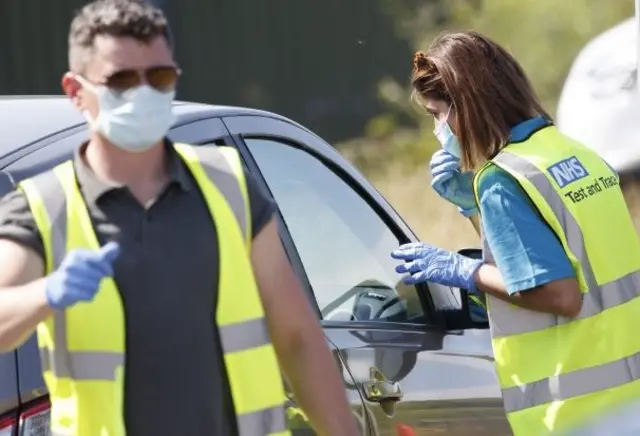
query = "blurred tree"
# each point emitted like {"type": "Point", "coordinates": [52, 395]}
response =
{"type": "Point", "coordinates": [544, 35]}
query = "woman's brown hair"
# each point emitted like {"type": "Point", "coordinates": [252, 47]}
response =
{"type": "Point", "coordinates": [486, 87]}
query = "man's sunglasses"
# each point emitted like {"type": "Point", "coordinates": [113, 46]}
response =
{"type": "Point", "coordinates": [162, 79]}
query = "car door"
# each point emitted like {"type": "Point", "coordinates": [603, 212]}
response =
{"type": "Point", "coordinates": [411, 372]}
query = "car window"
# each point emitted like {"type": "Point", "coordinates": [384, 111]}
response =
{"type": "Point", "coordinates": [343, 243]}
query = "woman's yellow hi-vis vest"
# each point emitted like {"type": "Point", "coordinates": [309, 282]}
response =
{"type": "Point", "coordinates": [83, 347]}
{"type": "Point", "coordinates": [558, 373]}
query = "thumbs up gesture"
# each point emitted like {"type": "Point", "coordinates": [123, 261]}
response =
{"type": "Point", "coordinates": [78, 277]}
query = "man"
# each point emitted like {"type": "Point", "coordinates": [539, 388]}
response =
{"type": "Point", "coordinates": [138, 232]}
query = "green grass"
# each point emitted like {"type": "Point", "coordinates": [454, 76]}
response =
{"type": "Point", "coordinates": [437, 221]}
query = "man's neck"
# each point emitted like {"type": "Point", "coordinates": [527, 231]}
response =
{"type": "Point", "coordinates": [144, 173]}
{"type": "Point", "coordinates": [113, 164]}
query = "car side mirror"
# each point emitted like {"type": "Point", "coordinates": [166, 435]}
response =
{"type": "Point", "coordinates": [471, 312]}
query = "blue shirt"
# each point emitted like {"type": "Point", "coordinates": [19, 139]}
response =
{"type": "Point", "coordinates": [525, 249]}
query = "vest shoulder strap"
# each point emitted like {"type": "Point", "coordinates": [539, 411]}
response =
{"type": "Point", "coordinates": [222, 165]}
{"type": "Point", "coordinates": [476, 181]}
{"type": "Point", "coordinates": [48, 203]}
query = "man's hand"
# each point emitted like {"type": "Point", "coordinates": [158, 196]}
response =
{"type": "Point", "coordinates": [79, 276]}
{"type": "Point", "coordinates": [26, 298]}
{"type": "Point", "coordinates": [303, 353]}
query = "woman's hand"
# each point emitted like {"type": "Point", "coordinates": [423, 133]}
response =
{"type": "Point", "coordinates": [427, 263]}
{"type": "Point", "coordinates": [452, 184]}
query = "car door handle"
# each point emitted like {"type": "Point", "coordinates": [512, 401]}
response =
{"type": "Point", "coordinates": [378, 389]}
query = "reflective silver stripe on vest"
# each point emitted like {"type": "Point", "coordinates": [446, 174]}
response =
{"type": "Point", "coordinates": [84, 365]}
{"type": "Point", "coordinates": [572, 384]}
{"type": "Point", "coordinates": [263, 422]}
{"type": "Point", "coordinates": [78, 365]}
{"type": "Point", "coordinates": [219, 171]}
{"type": "Point", "coordinates": [244, 335]}
{"type": "Point", "coordinates": [599, 297]}
{"type": "Point", "coordinates": [248, 334]}
{"type": "Point", "coordinates": [60, 361]}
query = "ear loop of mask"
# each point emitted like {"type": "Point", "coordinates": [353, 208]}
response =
{"type": "Point", "coordinates": [92, 89]}
{"type": "Point", "coordinates": [440, 122]}
{"type": "Point", "coordinates": [85, 83]}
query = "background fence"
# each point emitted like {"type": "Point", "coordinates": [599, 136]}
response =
{"type": "Point", "coordinates": [316, 61]}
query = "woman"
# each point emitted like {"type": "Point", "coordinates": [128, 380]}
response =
{"type": "Point", "coordinates": [561, 266]}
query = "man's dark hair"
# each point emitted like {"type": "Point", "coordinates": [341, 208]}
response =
{"type": "Point", "coordinates": [137, 19]}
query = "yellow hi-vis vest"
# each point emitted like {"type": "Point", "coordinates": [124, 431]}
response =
{"type": "Point", "coordinates": [83, 347]}
{"type": "Point", "coordinates": [556, 372]}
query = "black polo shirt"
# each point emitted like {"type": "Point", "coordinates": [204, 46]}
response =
{"type": "Point", "coordinates": [167, 274]}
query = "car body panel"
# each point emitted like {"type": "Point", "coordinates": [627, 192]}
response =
{"type": "Point", "coordinates": [30, 381]}
{"type": "Point", "coordinates": [9, 397]}
{"type": "Point", "coordinates": [9, 392]}
{"type": "Point", "coordinates": [446, 377]}
{"type": "Point", "coordinates": [447, 381]}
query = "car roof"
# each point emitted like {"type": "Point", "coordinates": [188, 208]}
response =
{"type": "Point", "coordinates": [26, 119]}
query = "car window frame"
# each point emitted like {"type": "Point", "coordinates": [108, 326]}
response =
{"type": "Point", "coordinates": [292, 134]}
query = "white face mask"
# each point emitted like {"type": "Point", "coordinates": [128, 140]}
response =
{"type": "Point", "coordinates": [134, 120]}
{"type": "Point", "coordinates": [446, 137]}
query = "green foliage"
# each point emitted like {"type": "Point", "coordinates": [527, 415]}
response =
{"type": "Point", "coordinates": [544, 35]}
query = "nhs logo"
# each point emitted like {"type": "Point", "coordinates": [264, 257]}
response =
{"type": "Point", "coordinates": [567, 171]}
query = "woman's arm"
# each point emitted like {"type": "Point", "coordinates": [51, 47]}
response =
{"type": "Point", "coordinates": [560, 297]}
{"type": "Point", "coordinates": [530, 267]}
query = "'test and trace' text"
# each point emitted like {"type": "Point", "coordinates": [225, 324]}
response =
{"type": "Point", "coordinates": [599, 184]}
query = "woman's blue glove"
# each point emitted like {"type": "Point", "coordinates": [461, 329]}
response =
{"type": "Point", "coordinates": [452, 184]}
{"type": "Point", "coordinates": [78, 277]}
{"type": "Point", "coordinates": [427, 263]}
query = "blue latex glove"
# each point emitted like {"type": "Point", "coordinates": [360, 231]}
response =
{"type": "Point", "coordinates": [452, 184]}
{"type": "Point", "coordinates": [78, 277]}
{"type": "Point", "coordinates": [427, 263]}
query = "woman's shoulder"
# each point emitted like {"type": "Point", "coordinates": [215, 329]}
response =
{"type": "Point", "coordinates": [495, 180]}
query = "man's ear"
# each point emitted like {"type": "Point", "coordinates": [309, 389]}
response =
{"type": "Point", "coordinates": [72, 88]}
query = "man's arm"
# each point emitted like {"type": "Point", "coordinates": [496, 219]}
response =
{"type": "Point", "coordinates": [22, 298]}
{"type": "Point", "coordinates": [560, 297]}
{"type": "Point", "coordinates": [303, 353]}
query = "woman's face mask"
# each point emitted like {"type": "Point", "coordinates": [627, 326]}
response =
{"type": "Point", "coordinates": [445, 135]}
